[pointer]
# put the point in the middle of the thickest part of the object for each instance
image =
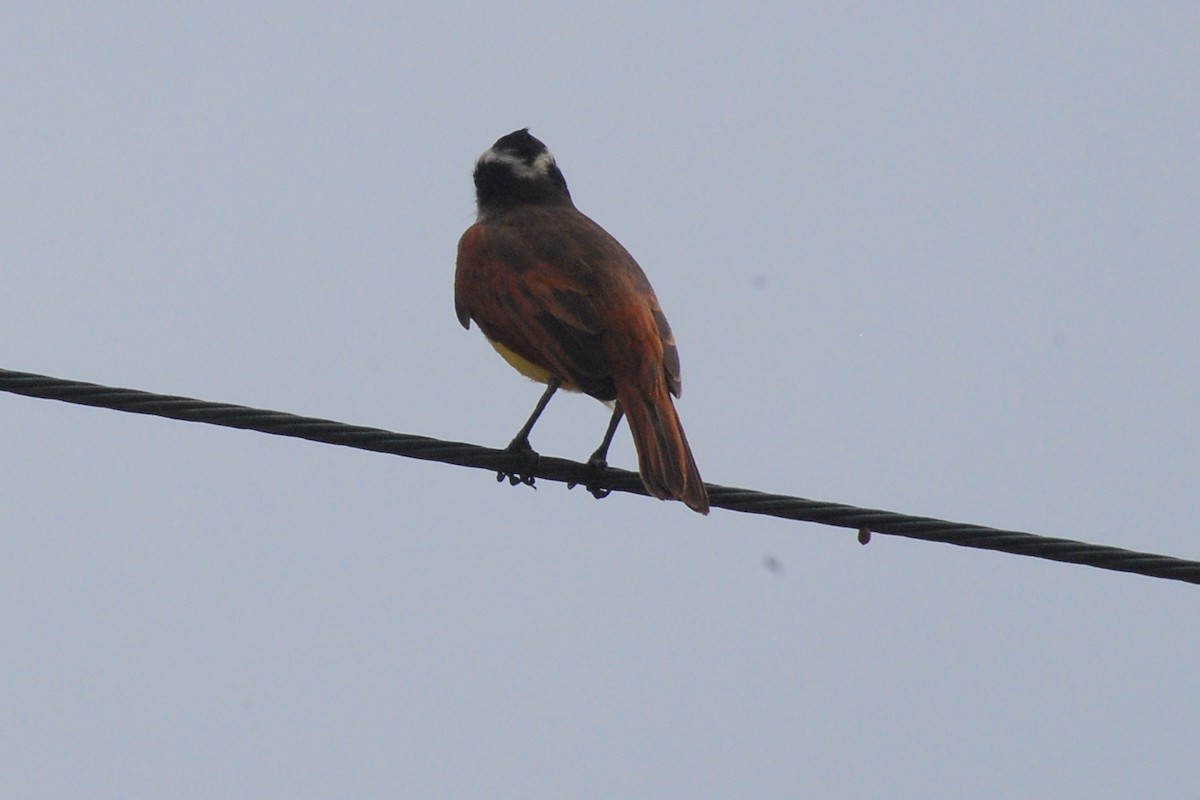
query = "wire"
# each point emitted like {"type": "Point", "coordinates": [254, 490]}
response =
{"type": "Point", "coordinates": [864, 520]}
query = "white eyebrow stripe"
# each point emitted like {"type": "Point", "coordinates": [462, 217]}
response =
{"type": "Point", "coordinates": [540, 166]}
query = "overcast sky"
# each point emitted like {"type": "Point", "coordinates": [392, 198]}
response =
{"type": "Point", "coordinates": [940, 260]}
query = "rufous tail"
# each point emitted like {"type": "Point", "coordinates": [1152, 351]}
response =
{"type": "Point", "coordinates": [664, 459]}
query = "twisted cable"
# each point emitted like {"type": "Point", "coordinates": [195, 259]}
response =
{"type": "Point", "coordinates": [864, 520]}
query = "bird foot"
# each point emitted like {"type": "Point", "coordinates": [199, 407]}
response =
{"type": "Point", "coordinates": [520, 447]}
{"type": "Point", "coordinates": [597, 466]}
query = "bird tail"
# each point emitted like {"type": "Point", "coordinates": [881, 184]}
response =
{"type": "Point", "coordinates": [664, 459]}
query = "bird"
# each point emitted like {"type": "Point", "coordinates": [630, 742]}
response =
{"type": "Point", "coordinates": [565, 303]}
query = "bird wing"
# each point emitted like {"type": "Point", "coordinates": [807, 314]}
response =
{"type": "Point", "coordinates": [539, 307]}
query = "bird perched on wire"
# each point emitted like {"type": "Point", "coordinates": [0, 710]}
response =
{"type": "Point", "coordinates": [565, 304]}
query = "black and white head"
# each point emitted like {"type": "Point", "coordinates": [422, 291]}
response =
{"type": "Point", "coordinates": [518, 169]}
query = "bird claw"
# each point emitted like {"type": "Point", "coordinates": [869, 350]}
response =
{"type": "Point", "coordinates": [598, 492]}
{"type": "Point", "coordinates": [515, 478]}
{"type": "Point", "coordinates": [518, 477]}
{"type": "Point", "coordinates": [597, 466]}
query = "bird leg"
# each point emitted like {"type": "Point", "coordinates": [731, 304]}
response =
{"type": "Point", "coordinates": [520, 443]}
{"type": "Point", "coordinates": [598, 460]}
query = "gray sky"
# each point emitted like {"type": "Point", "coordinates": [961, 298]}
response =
{"type": "Point", "coordinates": [941, 260]}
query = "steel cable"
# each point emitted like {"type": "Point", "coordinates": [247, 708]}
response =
{"type": "Point", "coordinates": [863, 520]}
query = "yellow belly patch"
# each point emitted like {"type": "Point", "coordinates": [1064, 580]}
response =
{"type": "Point", "coordinates": [522, 365]}
{"type": "Point", "coordinates": [531, 370]}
